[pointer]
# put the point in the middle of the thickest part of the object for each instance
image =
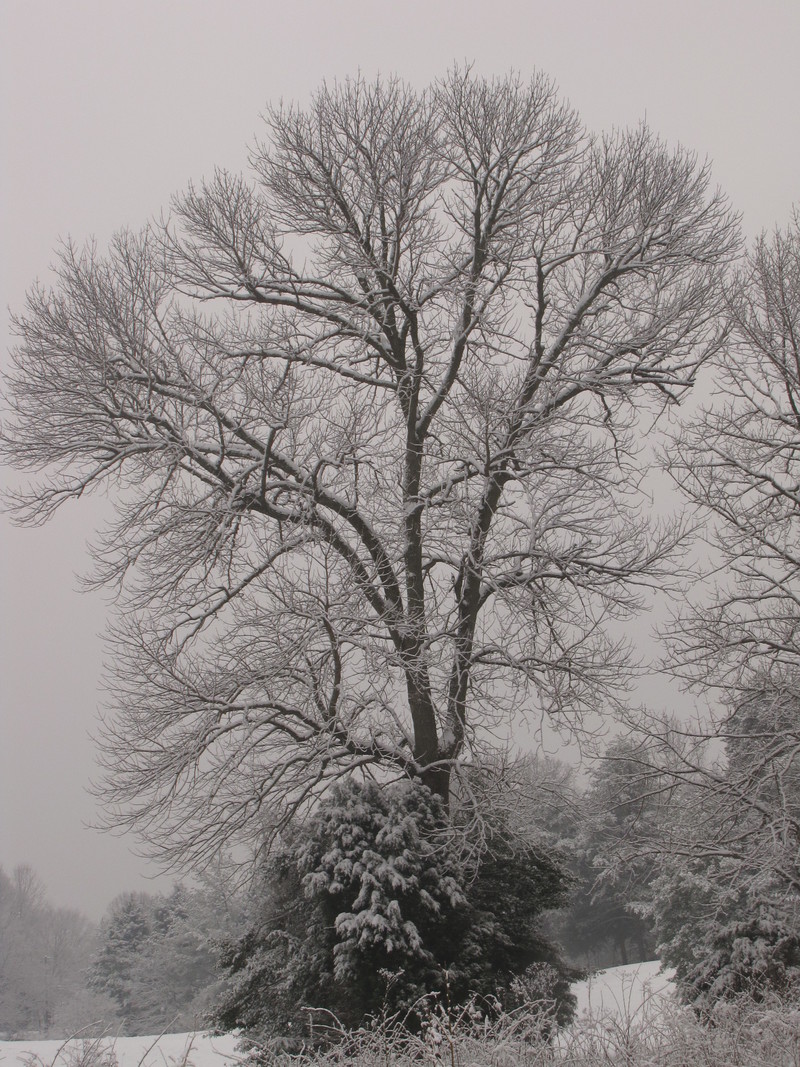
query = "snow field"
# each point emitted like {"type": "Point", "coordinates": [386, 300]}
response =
{"type": "Point", "coordinates": [631, 993]}
{"type": "Point", "coordinates": [169, 1050]}
{"type": "Point", "coordinates": [625, 992]}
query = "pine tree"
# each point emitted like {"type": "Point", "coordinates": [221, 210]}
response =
{"type": "Point", "coordinates": [372, 910]}
{"type": "Point", "coordinates": [155, 961]}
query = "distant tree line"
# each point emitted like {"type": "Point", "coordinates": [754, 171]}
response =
{"type": "Point", "coordinates": [43, 952]}
{"type": "Point", "coordinates": [149, 966]}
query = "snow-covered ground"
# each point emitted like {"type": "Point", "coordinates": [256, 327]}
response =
{"type": "Point", "coordinates": [171, 1050]}
{"type": "Point", "coordinates": [632, 992]}
{"type": "Point", "coordinates": [625, 991]}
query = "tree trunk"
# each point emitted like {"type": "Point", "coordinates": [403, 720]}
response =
{"type": "Point", "coordinates": [622, 948]}
{"type": "Point", "coordinates": [437, 779]}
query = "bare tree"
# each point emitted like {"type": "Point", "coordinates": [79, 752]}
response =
{"type": "Point", "coordinates": [740, 464]}
{"type": "Point", "coordinates": [730, 786]}
{"type": "Point", "coordinates": [735, 825]}
{"type": "Point", "coordinates": [43, 953]}
{"type": "Point", "coordinates": [369, 416]}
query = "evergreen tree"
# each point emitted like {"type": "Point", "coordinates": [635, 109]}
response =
{"type": "Point", "coordinates": [722, 940]}
{"type": "Point", "coordinates": [155, 961]}
{"type": "Point", "coordinates": [726, 904]}
{"type": "Point", "coordinates": [123, 935]}
{"type": "Point", "coordinates": [621, 806]}
{"type": "Point", "coordinates": [372, 909]}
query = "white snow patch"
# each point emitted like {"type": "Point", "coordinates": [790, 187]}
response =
{"type": "Point", "coordinates": [170, 1050]}
{"type": "Point", "coordinates": [625, 992]}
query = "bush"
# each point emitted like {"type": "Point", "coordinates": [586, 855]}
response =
{"type": "Point", "coordinates": [370, 911]}
{"type": "Point", "coordinates": [723, 940]}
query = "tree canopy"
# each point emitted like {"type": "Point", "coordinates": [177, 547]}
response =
{"type": "Point", "coordinates": [367, 417]}
{"type": "Point", "coordinates": [739, 463]}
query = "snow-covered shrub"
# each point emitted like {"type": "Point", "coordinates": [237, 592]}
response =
{"type": "Point", "coordinates": [723, 940]}
{"type": "Point", "coordinates": [370, 910]}
{"type": "Point", "coordinates": [79, 1052]}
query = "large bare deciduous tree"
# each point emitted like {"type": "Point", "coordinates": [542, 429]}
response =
{"type": "Point", "coordinates": [737, 637]}
{"type": "Point", "coordinates": [740, 463]}
{"type": "Point", "coordinates": [368, 419]}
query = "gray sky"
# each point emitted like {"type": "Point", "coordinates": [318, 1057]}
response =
{"type": "Point", "coordinates": [109, 106]}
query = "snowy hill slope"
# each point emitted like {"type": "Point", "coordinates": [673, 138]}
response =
{"type": "Point", "coordinates": [625, 991]}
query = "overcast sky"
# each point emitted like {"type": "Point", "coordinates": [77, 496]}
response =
{"type": "Point", "coordinates": [111, 106]}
